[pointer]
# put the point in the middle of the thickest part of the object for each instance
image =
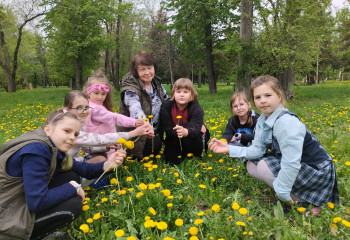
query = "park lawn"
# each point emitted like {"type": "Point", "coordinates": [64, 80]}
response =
{"type": "Point", "coordinates": [214, 196]}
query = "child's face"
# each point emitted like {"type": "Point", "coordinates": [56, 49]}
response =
{"type": "Point", "coordinates": [146, 73]}
{"type": "Point", "coordinates": [240, 107]}
{"type": "Point", "coordinates": [98, 96]}
{"type": "Point", "coordinates": [266, 99]}
{"type": "Point", "coordinates": [64, 133]}
{"type": "Point", "coordinates": [80, 108]}
{"type": "Point", "coordinates": [182, 97]}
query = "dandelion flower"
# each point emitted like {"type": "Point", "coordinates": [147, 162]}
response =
{"type": "Point", "coordinates": [97, 216]}
{"type": "Point", "coordinates": [84, 227]}
{"type": "Point", "coordinates": [90, 220]}
{"type": "Point", "coordinates": [330, 205]}
{"type": "Point", "coordinates": [243, 211]}
{"type": "Point", "coordinates": [168, 238]}
{"type": "Point", "coordinates": [345, 223]}
{"type": "Point", "coordinates": [240, 223]}
{"type": "Point", "coordinates": [336, 219]}
{"type": "Point", "coordinates": [202, 186]}
{"type": "Point", "coordinates": [119, 233]}
{"type": "Point", "coordinates": [198, 222]}
{"type": "Point", "coordinates": [129, 179]}
{"type": "Point", "coordinates": [301, 209]}
{"type": "Point", "coordinates": [166, 192]}
{"type": "Point", "coordinates": [169, 205]}
{"type": "Point", "coordinates": [179, 222]}
{"type": "Point", "coordinates": [162, 226]}
{"type": "Point", "coordinates": [114, 181]}
{"type": "Point", "coordinates": [104, 200]}
{"type": "Point", "coordinates": [200, 214]}
{"type": "Point", "coordinates": [142, 186]}
{"type": "Point", "coordinates": [194, 238]}
{"type": "Point", "coordinates": [179, 181]}
{"type": "Point", "coordinates": [193, 231]}
{"type": "Point", "coordinates": [152, 211]}
{"type": "Point", "coordinates": [216, 208]}
{"type": "Point", "coordinates": [139, 194]}
{"type": "Point", "coordinates": [86, 207]}
{"type": "Point", "coordinates": [149, 223]}
{"type": "Point", "coordinates": [121, 141]}
{"type": "Point", "coordinates": [131, 238]}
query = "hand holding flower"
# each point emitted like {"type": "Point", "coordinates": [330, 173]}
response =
{"type": "Point", "coordinates": [181, 131]}
{"type": "Point", "coordinates": [139, 122]}
{"type": "Point", "coordinates": [116, 159]}
{"type": "Point", "coordinates": [141, 130]}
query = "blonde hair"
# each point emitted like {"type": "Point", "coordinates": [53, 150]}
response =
{"type": "Point", "coordinates": [273, 83]}
{"type": "Point", "coordinates": [242, 96]}
{"type": "Point", "coordinates": [184, 83]}
{"type": "Point", "coordinates": [99, 77]}
{"type": "Point", "coordinates": [56, 116]}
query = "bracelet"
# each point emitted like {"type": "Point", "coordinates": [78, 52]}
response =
{"type": "Point", "coordinates": [77, 187]}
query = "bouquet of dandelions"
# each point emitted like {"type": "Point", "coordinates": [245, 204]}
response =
{"type": "Point", "coordinates": [124, 145]}
{"type": "Point", "coordinates": [179, 123]}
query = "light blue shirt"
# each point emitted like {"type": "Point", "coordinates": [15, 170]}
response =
{"type": "Point", "coordinates": [290, 133]}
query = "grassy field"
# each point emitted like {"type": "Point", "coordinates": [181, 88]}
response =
{"type": "Point", "coordinates": [209, 198]}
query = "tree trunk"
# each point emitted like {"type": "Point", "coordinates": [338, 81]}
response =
{"type": "Point", "coordinates": [78, 75]}
{"type": "Point", "coordinates": [200, 77]}
{"type": "Point", "coordinates": [170, 62]}
{"type": "Point", "coordinates": [209, 55]}
{"type": "Point", "coordinates": [116, 81]}
{"type": "Point", "coordinates": [245, 35]}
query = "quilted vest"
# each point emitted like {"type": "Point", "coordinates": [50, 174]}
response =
{"type": "Point", "coordinates": [16, 220]}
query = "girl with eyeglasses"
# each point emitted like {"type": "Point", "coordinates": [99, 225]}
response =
{"type": "Point", "coordinates": [77, 103]}
{"type": "Point", "coordinates": [93, 144]}
{"type": "Point", "coordinates": [240, 127]}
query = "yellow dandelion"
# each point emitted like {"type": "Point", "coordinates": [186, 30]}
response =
{"type": "Point", "coordinates": [240, 223]}
{"type": "Point", "coordinates": [179, 181]}
{"type": "Point", "coordinates": [152, 211]}
{"type": "Point", "coordinates": [89, 220]}
{"type": "Point", "coordinates": [198, 222]}
{"type": "Point", "coordinates": [330, 205]}
{"type": "Point", "coordinates": [243, 211]}
{"type": "Point", "coordinates": [216, 208]}
{"type": "Point", "coordinates": [169, 205]}
{"type": "Point", "coordinates": [86, 207]}
{"type": "Point", "coordinates": [97, 216]}
{"type": "Point", "coordinates": [119, 233]}
{"type": "Point", "coordinates": [84, 227]}
{"type": "Point", "coordinates": [179, 222]}
{"type": "Point", "coordinates": [129, 179]}
{"type": "Point", "coordinates": [166, 192]}
{"type": "Point", "coordinates": [162, 226]}
{"type": "Point", "coordinates": [301, 209]}
{"type": "Point", "coordinates": [139, 194]}
{"type": "Point", "coordinates": [193, 231]}
{"type": "Point", "coordinates": [202, 186]}
{"type": "Point", "coordinates": [103, 200]}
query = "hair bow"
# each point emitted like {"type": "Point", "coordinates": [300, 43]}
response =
{"type": "Point", "coordinates": [97, 87]}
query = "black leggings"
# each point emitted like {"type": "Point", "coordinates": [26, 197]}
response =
{"type": "Point", "coordinates": [60, 215]}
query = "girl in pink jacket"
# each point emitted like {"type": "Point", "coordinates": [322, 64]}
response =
{"type": "Point", "coordinates": [102, 119]}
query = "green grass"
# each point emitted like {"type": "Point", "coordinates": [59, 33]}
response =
{"type": "Point", "coordinates": [215, 179]}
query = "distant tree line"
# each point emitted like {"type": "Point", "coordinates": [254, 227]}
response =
{"type": "Point", "coordinates": [61, 42]}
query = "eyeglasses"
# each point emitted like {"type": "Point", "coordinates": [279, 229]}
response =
{"type": "Point", "coordinates": [82, 109]}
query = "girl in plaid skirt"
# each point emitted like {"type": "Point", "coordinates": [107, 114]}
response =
{"type": "Point", "coordinates": [284, 154]}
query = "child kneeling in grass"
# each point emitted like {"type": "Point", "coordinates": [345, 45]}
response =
{"type": "Point", "coordinates": [40, 191]}
{"type": "Point", "coordinates": [181, 118]}
{"type": "Point", "coordinates": [296, 165]}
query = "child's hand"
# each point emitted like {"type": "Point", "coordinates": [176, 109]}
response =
{"type": "Point", "coordinates": [203, 129]}
{"type": "Point", "coordinates": [113, 146]}
{"type": "Point", "coordinates": [218, 146]}
{"type": "Point", "coordinates": [150, 133]}
{"type": "Point", "coordinates": [142, 130]}
{"type": "Point", "coordinates": [139, 122]}
{"type": "Point", "coordinates": [80, 191]}
{"type": "Point", "coordinates": [181, 131]}
{"type": "Point", "coordinates": [115, 159]}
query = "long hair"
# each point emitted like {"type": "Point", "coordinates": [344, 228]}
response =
{"type": "Point", "coordinates": [242, 96]}
{"type": "Point", "coordinates": [99, 78]}
{"type": "Point", "coordinates": [273, 83]}
{"type": "Point", "coordinates": [184, 83]}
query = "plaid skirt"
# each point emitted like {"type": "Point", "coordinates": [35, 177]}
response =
{"type": "Point", "coordinates": [315, 184]}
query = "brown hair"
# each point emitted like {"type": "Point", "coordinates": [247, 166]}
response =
{"type": "Point", "coordinates": [142, 58]}
{"type": "Point", "coordinates": [273, 83]}
{"type": "Point", "coordinates": [184, 83]}
{"type": "Point", "coordinates": [70, 96]}
{"type": "Point", "coordinates": [242, 96]}
{"type": "Point", "coordinates": [56, 116]}
{"type": "Point", "coordinates": [100, 78]}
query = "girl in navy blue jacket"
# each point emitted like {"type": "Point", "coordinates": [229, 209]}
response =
{"type": "Point", "coordinates": [40, 190]}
